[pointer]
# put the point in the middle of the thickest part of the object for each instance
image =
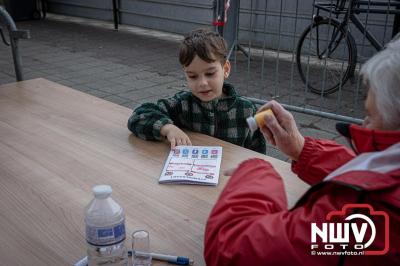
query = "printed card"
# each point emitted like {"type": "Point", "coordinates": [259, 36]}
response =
{"type": "Point", "coordinates": [192, 165]}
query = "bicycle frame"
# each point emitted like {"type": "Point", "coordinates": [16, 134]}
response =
{"type": "Point", "coordinates": [360, 26]}
{"type": "Point", "coordinates": [350, 13]}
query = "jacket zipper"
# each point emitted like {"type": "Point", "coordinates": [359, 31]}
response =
{"type": "Point", "coordinates": [215, 121]}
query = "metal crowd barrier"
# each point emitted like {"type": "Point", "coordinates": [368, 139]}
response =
{"type": "Point", "coordinates": [306, 54]}
{"type": "Point", "coordinates": [14, 36]}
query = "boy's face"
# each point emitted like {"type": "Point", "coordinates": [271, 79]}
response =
{"type": "Point", "coordinates": [206, 79]}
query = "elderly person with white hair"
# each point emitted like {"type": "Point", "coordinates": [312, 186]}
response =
{"type": "Point", "coordinates": [351, 213]}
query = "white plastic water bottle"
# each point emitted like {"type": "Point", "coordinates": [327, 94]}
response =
{"type": "Point", "coordinates": [105, 229]}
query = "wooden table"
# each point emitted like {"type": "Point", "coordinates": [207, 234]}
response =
{"type": "Point", "coordinates": [56, 143]}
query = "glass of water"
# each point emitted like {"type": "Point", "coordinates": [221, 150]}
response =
{"type": "Point", "coordinates": [141, 248]}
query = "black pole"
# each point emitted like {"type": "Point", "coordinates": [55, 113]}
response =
{"type": "Point", "coordinates": [396, 23]}
{"type": "Point", "coordinates": [115, 14]}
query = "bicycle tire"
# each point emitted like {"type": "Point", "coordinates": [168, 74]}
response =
{"type": "Point", "coordinates": [344, 41]}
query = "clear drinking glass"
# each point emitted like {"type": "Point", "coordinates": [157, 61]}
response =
{"type": "Point", "coordinates": [141, 248]}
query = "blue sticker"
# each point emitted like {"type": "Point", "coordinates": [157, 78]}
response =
{"type": "Point", "coordinates": [107, 232]}
{"type": "Point", "coordinates": [119, 230]}
{"type": "Point", "coordinates": [205, 151]}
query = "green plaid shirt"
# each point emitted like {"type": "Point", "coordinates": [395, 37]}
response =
{"type": "Point", "coordinates": [223, 118]}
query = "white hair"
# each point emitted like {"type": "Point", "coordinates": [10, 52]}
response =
{"type": "Point", "coordinates": [381, 73]}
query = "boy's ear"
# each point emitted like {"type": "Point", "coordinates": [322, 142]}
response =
{"type": "Point", "coordinates": [227, 69]}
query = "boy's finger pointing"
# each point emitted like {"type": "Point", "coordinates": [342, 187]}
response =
{"type": "Point", "coordinates": [173, 143]}
{"type": "Point", "coordinates": [189, 143]}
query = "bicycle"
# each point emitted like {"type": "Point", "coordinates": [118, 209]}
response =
{"type": "Point", "coordinates": [328, 41]}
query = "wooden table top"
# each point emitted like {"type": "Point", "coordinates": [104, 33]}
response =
{"type": "Point", "coordinates": [56, 143]}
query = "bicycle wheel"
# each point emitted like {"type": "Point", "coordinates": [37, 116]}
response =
{"type": "Point", "coordinates": [326, 56]}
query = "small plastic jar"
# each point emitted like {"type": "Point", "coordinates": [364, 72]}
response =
{"type": "Point", "coordinates": [257, 121]}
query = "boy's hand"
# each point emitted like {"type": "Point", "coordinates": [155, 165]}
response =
{"type": "Point", "coordinates": [175, 135]}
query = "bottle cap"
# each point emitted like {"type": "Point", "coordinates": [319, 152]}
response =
{"type": "Point", "coordinates": [252, 123]}
{"type": "Point", "coordinates": [102, 191]}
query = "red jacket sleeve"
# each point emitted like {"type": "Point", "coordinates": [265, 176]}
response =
{"type": "Point", "coordinates": [251, 225]}
{"type": "Point", "coordinates": [319, 158]}
{"type": "Point", "coordinates": [245, 199]}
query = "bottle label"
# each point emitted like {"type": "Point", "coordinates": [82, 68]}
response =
{"type": "Point", "coordinates": [104, 236]}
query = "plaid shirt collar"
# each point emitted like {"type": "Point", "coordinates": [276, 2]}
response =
{"type": "Point", "coordinates": [222, 104]}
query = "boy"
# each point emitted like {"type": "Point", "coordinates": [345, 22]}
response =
{"type": "Point", "coordinates": [212, 107]}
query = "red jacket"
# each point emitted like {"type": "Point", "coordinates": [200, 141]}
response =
{"type": "Point", "coordinates": [251, 225]}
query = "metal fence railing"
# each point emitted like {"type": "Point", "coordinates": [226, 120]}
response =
{"type": "Point", "coordinates": [307, 54]}
{"type": "Point", "coordinates": [13, 40]}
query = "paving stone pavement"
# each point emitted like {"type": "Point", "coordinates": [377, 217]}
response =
{"type": "Point", "coordinates": [128, 67]}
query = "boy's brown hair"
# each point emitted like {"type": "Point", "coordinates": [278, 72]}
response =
{"type": "Point", "coordinates": [206, 44]}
